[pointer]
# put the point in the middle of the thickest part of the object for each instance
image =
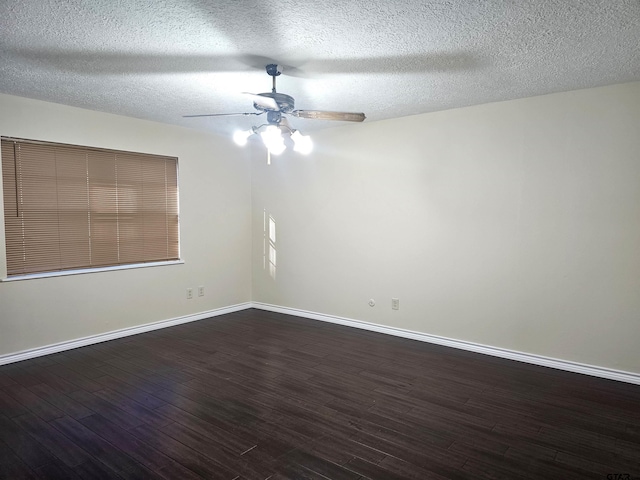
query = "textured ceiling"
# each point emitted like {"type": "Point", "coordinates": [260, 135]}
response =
{"type": "Point", "coordinates": [161, 59]}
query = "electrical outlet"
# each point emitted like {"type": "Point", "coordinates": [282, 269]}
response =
{"type": "Point", "coordinates": [201, 291]}
{"type": "Point", "coordinates": [395, 304]}
{"type": "Point", "coordinates": [189, 293]}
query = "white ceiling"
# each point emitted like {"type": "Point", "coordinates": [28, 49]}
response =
{"type": "Point", "coordinates": [161, 59]}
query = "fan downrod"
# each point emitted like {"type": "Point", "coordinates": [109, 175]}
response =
{"type": "Point", "coordinates": [286, 103]}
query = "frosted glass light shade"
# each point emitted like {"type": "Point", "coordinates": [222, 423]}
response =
{"type": "Point", "coordinates": [301, 143]}
{"type": "Point", "coordinates": [272, 138]}
{"type": "Point", "coordinates": [241, 136]}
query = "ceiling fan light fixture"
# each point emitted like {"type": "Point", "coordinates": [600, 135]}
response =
{"type": "Point", "coordinates": [272, 138]}
{"type": "Point", "coordinates": [276, 149]}
{"type": "Point", "coordinates": [301, 143]}
{"type": "Point", "coordinates": [241, 136]}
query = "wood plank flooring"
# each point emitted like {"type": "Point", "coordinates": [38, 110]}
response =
{"type": "Point", "coordinates": [259, 395]}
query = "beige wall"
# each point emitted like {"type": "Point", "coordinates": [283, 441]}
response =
{"type": "Point", "coordinates": [215, 231]}
{"type": "Point", "coordinates": [513, 224]}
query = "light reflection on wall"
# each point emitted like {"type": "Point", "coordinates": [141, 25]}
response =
{"type": "Point", "coordinates": [269, 244]}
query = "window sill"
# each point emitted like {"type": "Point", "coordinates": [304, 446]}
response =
{"type": "Point", "coordinates": [64, 273]}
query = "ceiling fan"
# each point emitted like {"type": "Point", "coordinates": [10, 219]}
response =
{"type": "Point", "coordinates": [276, 105]}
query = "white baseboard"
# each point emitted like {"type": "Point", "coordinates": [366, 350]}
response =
{"type": "Point", "coordinates": [592, 370]}
{"type": "Point", "coordinates": [125, 332]}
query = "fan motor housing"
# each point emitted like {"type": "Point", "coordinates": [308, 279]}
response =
{"type": "Point", "coordinates": [286, 103]}
{"type": "Point", "coordinates": [274, 117]}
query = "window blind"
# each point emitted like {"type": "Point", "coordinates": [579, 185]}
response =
{"type": "Point", "coordinates": [69, 207]}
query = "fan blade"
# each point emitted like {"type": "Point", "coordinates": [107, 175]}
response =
{"type": "Point", "coordinates": [267, 103]}
{"type": "Point", "coordinates": [322, 115]}
{"type": "Point", "coordinates": [222, 114]}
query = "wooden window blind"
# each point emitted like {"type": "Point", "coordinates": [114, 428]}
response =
{"type": "Point", "coordinates": [69, 207]}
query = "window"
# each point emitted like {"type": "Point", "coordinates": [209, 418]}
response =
{"type": "Point", "coordinates": [68, 207]}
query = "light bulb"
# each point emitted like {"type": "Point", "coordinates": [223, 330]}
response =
{"type": "Point", "coordinates": [301, 143]}
{"type": "Point", "coordinates": [277, 149]}
{"type": "Point", "coordinates": [241, 136]}
{"type": "Point", "coordinates": [272, 138]}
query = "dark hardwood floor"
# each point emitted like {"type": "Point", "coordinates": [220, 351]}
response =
{"type": "Point", "coordinates": [257, 395]}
